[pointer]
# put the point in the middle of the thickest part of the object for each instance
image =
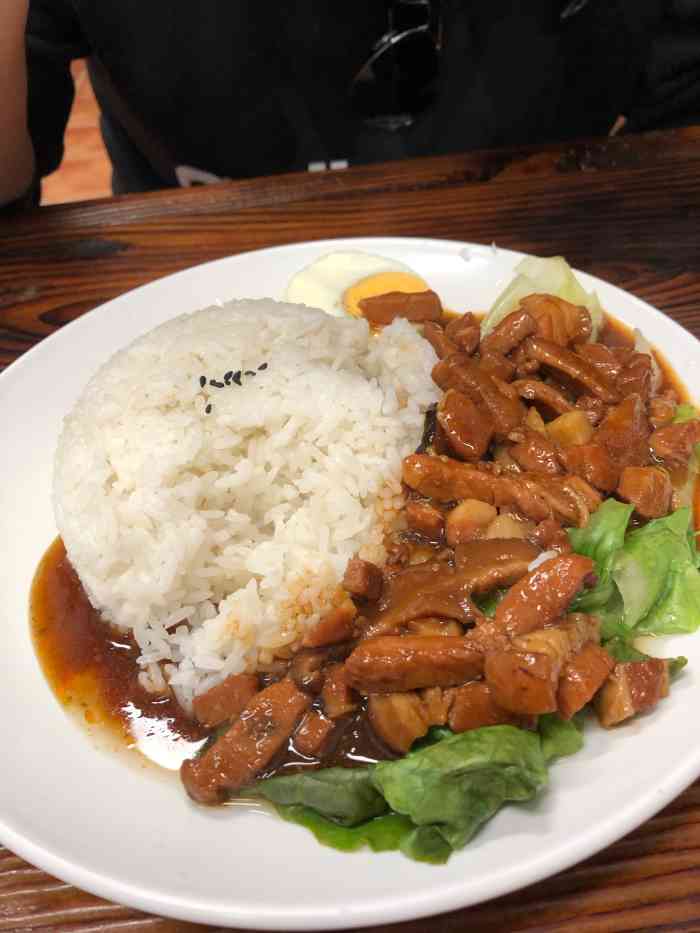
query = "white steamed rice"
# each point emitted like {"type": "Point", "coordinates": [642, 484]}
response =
{"type": "Point", "coordinates": [219, 538]}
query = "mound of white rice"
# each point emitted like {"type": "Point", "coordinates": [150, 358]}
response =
{"type": "Point", "coordinates": [215, 519]}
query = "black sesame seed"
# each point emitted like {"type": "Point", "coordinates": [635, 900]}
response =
{"type": "Point", "coordinates": [207, 410]}
{"type": "Point", "coordinates": [216, 384]}
{"type": "Point", "coordinates": [249, 372]}
{"type": "Point", "coordinates": [227, 377]}
{"type": "Point", "coordinates": [262, 366]}
{"type": "Point", "coordinates": [202, 381]}
{"type": "Point", "coordinates": [237, 377]}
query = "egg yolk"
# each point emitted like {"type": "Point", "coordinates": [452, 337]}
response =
{"type": "Point", "coordinates": [380, 284]}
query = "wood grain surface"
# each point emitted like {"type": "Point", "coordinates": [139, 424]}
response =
{"type": "Point", "coordinates": [626, 209]}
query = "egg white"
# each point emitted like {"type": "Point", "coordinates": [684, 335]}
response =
{"type": "Point", "coordinates": [323, 283]}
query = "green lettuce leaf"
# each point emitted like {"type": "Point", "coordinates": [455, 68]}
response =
{"type": "Point", "coordinates": [560, 737]}
{"type": "Point", "coordinates": [381, 834]}
{"type": "Point", "coordinates": [684, 413]}
{"type": "Point", "coordinates": [346, 795]}
{"type": "Point", "coordinates": [648, 579]}
{"type": "Point", "coordinates": [657, 576]}
{"type": "Point", "coordinates": [459, 783]}
{"type": "Point", "coordinates": [602, 539]}
{"type": "Point", "coordinates": [623, 650]}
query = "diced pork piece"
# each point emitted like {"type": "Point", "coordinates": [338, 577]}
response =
{"type": "Point", "coordinates": [602, 358]}
{"type": "Point", "coordinates": [363, 579]}
{"type": "Point", "coordinates": [594, 408]}
{"type": "Point", "coordinates": [437, 704]}
{"type": "Point", "coordinates": [425, 520]}
{"type": "Point", "coordinates": [306, 671]}
{"type": "Point", "coordinates": [511, 332]}
{"type": "Point", "coordinates": [636, 377]}
{"type": "Point", "coordinates": [467, 521]}
{"type": "Point", "coordinates": [468, 427]}
{"type": "Point", "coordinates": [649, 489]}
{"type": "Point", "coordinates": [582, 677]}
{"type": "Point", "coordinates": [521, 682]}
{"type": "Point", "coordinates": [435, 334]}
{"type": "Point", "coordinates": [461, 372]}
{"type": "Point", "coordinates": [625, 433]}
{"type": "Point", "coordinates": [581, 629]}
{"type": "Point", "coordinates": [337, 695]}
{"type": "Point", "coordinates": [413, 306]}
{"type": "Point", "coordinates": [465, 332]}
{"type": "Point", "coordinates": [543, 594]}
{"type": "Point", "coordinates": [559, 642]}
{"type": "Point", "coordinates": [396, 663]}
{"type": "Point", "coordinates": [585, 497]}
{"type": "Point", "coordinates": [398, 719]}
{"type": "Point", "coordinates": [573, 366]}
{"type": "Point", "coordinates": [496, 365]}
{"type": "Point", "coordinates": [558, 320]}
{"type": "Point", "coordinates": [434, 627]}
{"type": "Point", "coordinates": [534, 452]}
{"type": "Point", "coordinates": [226, 700]}
{"type": "Point", "coordinates": [550, 536]}
{"type": "Point", "coordinates": [238, 756]}
{"type": "Point", "coordinates": [313, 733]}
{"type": "Point", "coordinates": [662, 411]}
{"type": "Point", "coordinates": [335, 626]}
{"type": "Point", "coordinates": [473, 706]}
{"type": "Point", "coordinates": [543, 395]}
{"type": "Point", "coordinates": [633, 687]}
{"type": "Point", "coordinates": [674, 443]}
{"type": "Point", "coordinates": [593, 463]}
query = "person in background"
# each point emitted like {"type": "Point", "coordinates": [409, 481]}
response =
{"type": "Point", "coordinates": [193, 93]}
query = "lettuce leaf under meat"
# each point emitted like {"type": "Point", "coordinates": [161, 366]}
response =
{"type": "Point", "coordinates": [602, 539]}
{"type": "Point", "coordinates": [433, 800]}
{"type": "Point", "coordinates": [346, 795]}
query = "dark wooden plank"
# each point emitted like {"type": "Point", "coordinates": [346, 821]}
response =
{"type": "Point", "coordinates": [634, 227]}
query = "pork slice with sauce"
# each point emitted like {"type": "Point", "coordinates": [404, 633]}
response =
{"type": "Point", "coordinates": [226, 700]}
{"type": "Point", "coordinates": [398, 663]}
{"type": "Point", "coordinates": [435, 588]}
{"type": "Point", "coordinates": [247, 746]}
{"type": "Point", "coordinates": [473, 707]}
{"type": "Point", "coordinates": [544, 594]}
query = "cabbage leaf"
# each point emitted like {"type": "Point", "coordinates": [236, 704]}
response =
{"type": "Point", "coordinates": [540, 275]}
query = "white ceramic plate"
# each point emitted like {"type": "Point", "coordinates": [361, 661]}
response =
{"type": "Point", "coordinates": [128, 834]}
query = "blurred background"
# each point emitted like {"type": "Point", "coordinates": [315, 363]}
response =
{"type": "Point", "coordinates": [85, 171]}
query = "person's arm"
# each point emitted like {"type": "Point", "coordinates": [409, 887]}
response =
{"type": "Point", "coordinates": [16, 151]}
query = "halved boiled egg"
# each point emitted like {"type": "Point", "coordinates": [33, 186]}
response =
{"type": "Point", "coordinates": [338, 281]}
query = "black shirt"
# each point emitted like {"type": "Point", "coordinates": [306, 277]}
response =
{"type": "Point", "coordinates": [240, 88]}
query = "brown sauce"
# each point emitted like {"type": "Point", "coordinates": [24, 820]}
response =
{"type": "Point", "coordinates": [93, 671]}
{"type": "Point", "coordinates": [92, 668]}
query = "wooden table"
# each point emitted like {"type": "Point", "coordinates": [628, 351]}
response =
{"type": "Point", "coordinates": [626, 209]}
